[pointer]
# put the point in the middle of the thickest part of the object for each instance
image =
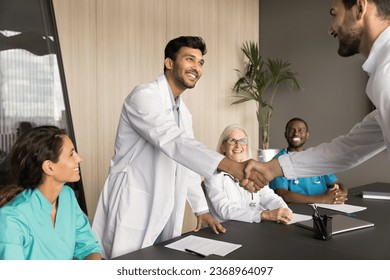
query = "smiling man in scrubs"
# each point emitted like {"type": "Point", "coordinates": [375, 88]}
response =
{"type": "Point", "coordinates": [315, 189]}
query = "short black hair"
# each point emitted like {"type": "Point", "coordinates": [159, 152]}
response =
{"type": "Point", "coordinates": [296, 119]}
{"type": "Point", "coordinates": [173, 46]}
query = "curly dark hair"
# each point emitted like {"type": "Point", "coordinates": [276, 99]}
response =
{"type": "Point", "coordinates": [31, 149]}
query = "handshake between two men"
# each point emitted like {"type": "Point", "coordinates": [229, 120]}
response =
{"type": "Point", "coordinates": [252, 175]}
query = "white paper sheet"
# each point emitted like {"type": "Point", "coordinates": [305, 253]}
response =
{"type": "Point", "coordinates": [204, 246]}
{"type": "Point", "coordinates": [299, 218]}
{"type": "Point", "coordinates": [346, 208]}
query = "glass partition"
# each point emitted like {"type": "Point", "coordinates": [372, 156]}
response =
{"type": "Point", "coordinates": [32, 82]}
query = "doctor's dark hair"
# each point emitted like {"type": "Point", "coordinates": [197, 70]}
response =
{"type": "Point", "coordinates": [31, 149]}
{"type": "Point", "coordinates": [383, 7]}
{"type": "Point", "coordinates": [173, 46]}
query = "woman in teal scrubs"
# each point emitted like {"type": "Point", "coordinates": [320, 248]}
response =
{"type": "Point", "coordinates": [44, 221]}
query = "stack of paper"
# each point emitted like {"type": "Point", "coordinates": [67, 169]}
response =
{"type": "Point", "coordinates": [203, 246]}
{"type": "Point", "coordinates": [346, 208]}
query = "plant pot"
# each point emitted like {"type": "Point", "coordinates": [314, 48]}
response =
{"type": "Point", "coordinates": [265, 155]}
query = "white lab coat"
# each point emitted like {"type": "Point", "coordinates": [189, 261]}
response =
{"type": "Point", "coordinates": [366, 139]}
{"type": "Point", "coordinates": [228, 201]}
{"type": "Point", "coordinates": [146, 189]}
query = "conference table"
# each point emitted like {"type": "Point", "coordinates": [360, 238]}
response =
{"type": "Point", "coordinates": [276, 241]}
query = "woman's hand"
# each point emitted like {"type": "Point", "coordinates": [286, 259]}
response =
{"type": "Point", "coordinates": [282, 215]}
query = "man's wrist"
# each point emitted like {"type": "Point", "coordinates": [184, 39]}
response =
{"type": "Point", "coordinates": [276, 168]}
{"type": "Point", "coordinates": [201, 213]}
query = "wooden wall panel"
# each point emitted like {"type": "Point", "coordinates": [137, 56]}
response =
{"type": "Point", "coordinates": [109, 47]}
{"type": "Point", "coordinates": [238, 23]}
{"type": "Point", "coordinates": [76, 23]}
{"type": "Point", "coordinates": [131, 37]}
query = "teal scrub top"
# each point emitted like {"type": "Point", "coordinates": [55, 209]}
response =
{"type": "Point", "coordinates": [307, 186]}
{"type": "Point", "coordinates": [27, 231]}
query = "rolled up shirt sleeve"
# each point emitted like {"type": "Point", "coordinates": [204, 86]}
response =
{"type": "Point", "coordinates": [344, 152]}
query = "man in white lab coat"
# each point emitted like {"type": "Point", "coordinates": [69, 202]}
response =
{"type": "Point", "coordinates": [157, 160]}
{"type": "Point", "coordinates": [361, 26]}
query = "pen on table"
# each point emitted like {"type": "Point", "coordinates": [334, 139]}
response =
{"type": "Point", "coordinates": [195, 253]}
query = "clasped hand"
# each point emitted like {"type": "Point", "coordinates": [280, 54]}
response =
{"type": "Point", "coordinates": [336, 195]}
{"type": "Point", "coordinates": [257, 175]}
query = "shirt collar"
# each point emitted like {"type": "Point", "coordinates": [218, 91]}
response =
{"type": "Point", "coordinates": [373, 58]}
{"type": "Point", "coordinates": [42, 200]}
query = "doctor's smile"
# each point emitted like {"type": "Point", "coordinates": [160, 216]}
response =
{"type": "Point", "coordinates": [193, 75]}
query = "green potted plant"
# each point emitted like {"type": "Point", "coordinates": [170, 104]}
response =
{"type": "Point", "coordinates": [260, 82]}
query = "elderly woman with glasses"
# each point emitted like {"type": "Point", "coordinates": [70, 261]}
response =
{"type": "Point", "coordinates": [228, 201]}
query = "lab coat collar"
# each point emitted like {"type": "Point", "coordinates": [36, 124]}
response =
{"type": "Point", "coordinates": [175, 102]}
{"type": "Point", "coordinates": [164, 86]}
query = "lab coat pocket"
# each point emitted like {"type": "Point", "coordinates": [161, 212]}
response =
{"type": "Point", "coordinates": [135, 209]}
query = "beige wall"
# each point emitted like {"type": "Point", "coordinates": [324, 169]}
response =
{"type": "Point", "coordinates": [110, 46]}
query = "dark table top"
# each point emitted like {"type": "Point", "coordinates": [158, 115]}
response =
{"type": "Point", "coordinates": [274, 241]}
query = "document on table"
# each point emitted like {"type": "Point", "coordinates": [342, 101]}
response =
{"type": "Point", "coordinates": [204, 246]}
{"type": "Point", "coordinates": [346, 208]}
{"type": "Point", "coordinates": [299, 218]}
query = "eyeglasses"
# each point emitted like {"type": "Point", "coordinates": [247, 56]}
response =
{"type": "Point", "coordinates": [233, 141]}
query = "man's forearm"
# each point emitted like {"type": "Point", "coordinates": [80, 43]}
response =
{"type": "Point", "coordinates": [236, 169]}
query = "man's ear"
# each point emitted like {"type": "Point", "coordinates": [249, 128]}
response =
{"type": "Point", "coordinates": [361, 8]}
{"type": "Point", "coordinates": [307, 135]}
{"type": "Point", "coordinates": [168, 62]}
{"type": "Point", "coordinates": [47, 167]}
